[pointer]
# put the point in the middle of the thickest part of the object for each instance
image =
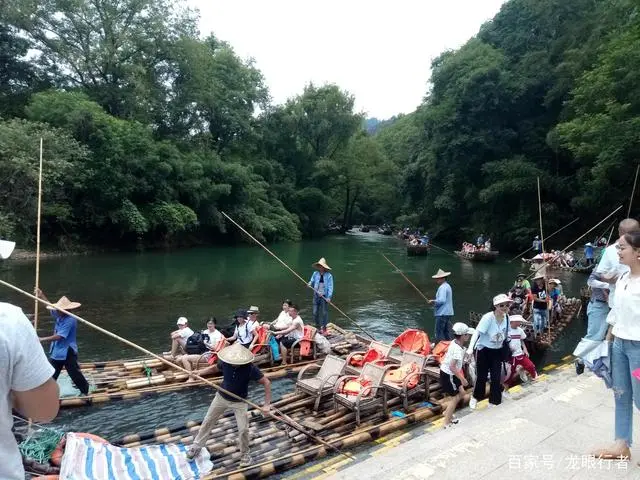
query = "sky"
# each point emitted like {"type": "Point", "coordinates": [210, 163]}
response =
{"type": "Point", "coordinates": [379, 51]}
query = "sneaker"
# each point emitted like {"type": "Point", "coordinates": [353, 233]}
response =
{"type": "Point", "coordinates": [473, 403]}
{"type": "Point", "coordinates": [524, 376]}
{"type": "Point", "coordinates": [505, 395]}
{"type": "Point", "coordinates": [245, 460]}
{"type": "Point", "coordinates": [579, 368]}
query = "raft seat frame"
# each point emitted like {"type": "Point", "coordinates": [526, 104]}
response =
{"type": "Point", "coordinates": [383, 348]}
{"type": "Point", "coordinates": [321, 384]}
{"type": "Point", "coordinates": [402, 390]}
{"type": "Point", "coordinates": [361, 403]}
{"type": "Point", "coordinates": [314, 347]}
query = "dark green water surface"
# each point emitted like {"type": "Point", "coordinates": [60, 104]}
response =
{"type": "Point", "coordinates": [140, 296]}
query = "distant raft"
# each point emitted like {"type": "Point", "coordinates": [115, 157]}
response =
{"type": "Point", "coordinates": [418, 250]}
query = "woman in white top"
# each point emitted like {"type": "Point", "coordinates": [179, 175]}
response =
{"type": "Point", "coordinates": [284, 319]}
{"type": "Point", "coordinates": [212, 337]}
{"type": "Point", "coordinates": [291, 334]}
{"type": "Point", "coordinates": [491, 332]}
{"type": "Point", "coordinates": [244, 330]}
{"type": "Point", "coordinates": [452, 379]}
{"type": "Point", "coordinates": [624, 329]}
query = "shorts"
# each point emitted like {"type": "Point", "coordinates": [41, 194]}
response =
{"type": "Point", "coordinates": [287, 342]}
{"type": "Point", "coordinates": [449, 383]}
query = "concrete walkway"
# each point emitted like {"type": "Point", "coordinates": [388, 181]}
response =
{"type": "Point", "coordinates": [546, 430]}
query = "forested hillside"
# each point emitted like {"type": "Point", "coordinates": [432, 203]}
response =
{"type": "Point", "coordinates": [549, 89]}
{"type": "Point", "coordinates": [150, 130]}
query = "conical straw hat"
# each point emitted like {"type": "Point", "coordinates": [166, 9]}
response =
{"type": "Point", "coordinates": [441, 274]}
{"type": "Point", "coordinates": [6, 248]}
{"type": "Point", "coordinates": [321, 263]}
{"type": "Point", "coordinates": [236, 354]}
{"type": "Point", "coordinates": [64, 304]}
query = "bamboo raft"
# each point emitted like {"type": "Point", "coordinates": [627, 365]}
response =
{"type": "Point", "coordinates": [276, 448]}
{"type": "Point", "coordinates": [478, 256]}
{"type": "Point", "coordinates": [136, 378]}
{"type": "Point", "coordinates": [418, 250]}
{"type": "Point", "coordinates": [571, 308]}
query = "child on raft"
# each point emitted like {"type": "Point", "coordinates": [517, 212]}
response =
{"type": "Point", "coordinates": [452, 379]}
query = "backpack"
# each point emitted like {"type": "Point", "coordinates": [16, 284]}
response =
{"type": "Point", "coordinates": [195, 344]}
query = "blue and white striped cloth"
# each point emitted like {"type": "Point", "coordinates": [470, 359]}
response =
{"type": "Point", "coordinates": [86, 459]}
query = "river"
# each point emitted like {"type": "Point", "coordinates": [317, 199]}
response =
{"type": "Point", "coordinates": [140, 296]}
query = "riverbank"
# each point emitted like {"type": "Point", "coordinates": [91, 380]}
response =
{"type": "Point", "coordinates": [545, 430]}
{"type": "Point", "coordinates": [24, 255]}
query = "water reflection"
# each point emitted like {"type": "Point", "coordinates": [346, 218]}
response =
{"type": "Point", "coordinates": [139, 296]}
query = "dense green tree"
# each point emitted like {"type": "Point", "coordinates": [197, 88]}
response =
{"type": "Point", "coordinates": [117, 51]}
{"type": "Point", "coordinates": [62, 175]}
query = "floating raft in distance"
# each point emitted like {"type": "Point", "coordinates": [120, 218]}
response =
{"type": "Point", "coordinates": [418, 250]}
{"type": "Point", "coordinates": [479, 256]}
{"type": "Point", "coordinates": [136, 378]}
{"type": "Point", "coordinates": [571, 308]}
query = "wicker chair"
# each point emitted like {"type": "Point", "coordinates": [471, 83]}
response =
{"type": "Point", "coordinates": [402, 390]}
{"type": "Point", "coordinates": [321, 384]}
{"type": "Point", "coordinates": [383, 348]}
{"type": "Point", "coordinates": [262, 348]}
{"type": "Point", "coordinates": [309, 335]}
{"type": "Point", "coordinates": [361, 403]}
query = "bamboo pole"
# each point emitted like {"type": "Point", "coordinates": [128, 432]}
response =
{"type": "Point", "coordinates": [557, 231]}
{"type": "Point", "coordinates": [297, 276]}
{"type": "Point", "coordinates": [443, 249]}
{"type": "Point", "coordinates": [37, 286]}
{"type": "Point", "coordinates": [274, 413]}
{"type": "Point", "coordinates": [633, 191]}
{"type": "Point", "coordinates": [405, 277]}
{"type": "Point", "coordinates": [610, 233]}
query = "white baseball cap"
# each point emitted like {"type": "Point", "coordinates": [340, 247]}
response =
{"type": "Point", "coordinates": [182, 321]}
{"type": "Point", "coordinates": [460, 328]}
{"type": "Point", "coordinates": [502, 298]}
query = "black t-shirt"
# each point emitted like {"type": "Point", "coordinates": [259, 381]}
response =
{"type": "Point", "coordinates": [519, 294]}
{"type": "Point", "coordinates": [542, 292]}
{"type": "Point", "coordinates": [236, 379]}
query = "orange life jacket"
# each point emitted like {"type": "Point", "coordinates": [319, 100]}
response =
{"type": "Point", "coordinates": [415, 341]}
{"type": "Point", "coordinates": [355, 386]}
{"type": "Point", "coordinates": [307, 337]}
{"type": "Point", "coordinates": [262, 333]}
{"type": "Point", "coordinates": [440, 350]}
{"type": "Point", "coordinates": [398, 374]}
{"type": "Point", "coordinates": [372, 356]}
{"type": "Point", "coordinates": [219, 346]}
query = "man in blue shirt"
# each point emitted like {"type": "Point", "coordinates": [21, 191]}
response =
{"type": "Point", "coordinates": [64, 348]}
{"type": "Point", "coordinates": [588, 253]}
{"type": "Point", "coordinates": [443, 306]}
{"type": "Point", "coordinates": [322, 284]}
{"type": "Point", "coordinates": [537, 244]}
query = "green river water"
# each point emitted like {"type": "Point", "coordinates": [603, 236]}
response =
{"type": "Point", "coordinates": [140, 296]}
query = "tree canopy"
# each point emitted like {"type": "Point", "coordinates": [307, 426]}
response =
{"type": "Point", "coordinates": [151, 130]}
